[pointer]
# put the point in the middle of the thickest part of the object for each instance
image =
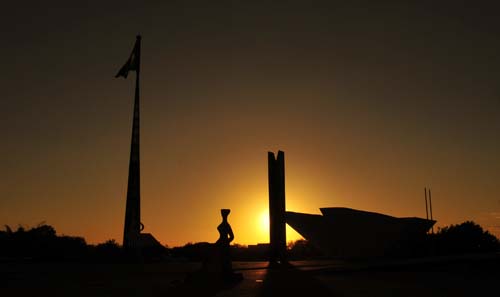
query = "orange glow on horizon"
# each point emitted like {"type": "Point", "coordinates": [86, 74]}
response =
{"type": "Point", "coordinates": [263, 228]}
{"type": "Point", "coordinates": [263, 222]}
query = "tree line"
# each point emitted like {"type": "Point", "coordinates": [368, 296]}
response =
{"type": "Point", "coordinates": [41, 243]}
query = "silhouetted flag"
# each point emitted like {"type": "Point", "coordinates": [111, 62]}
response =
{"type": "Point", "coordinates": [132, 63]}
{"type": "Point", "coordinates": [133, 226]}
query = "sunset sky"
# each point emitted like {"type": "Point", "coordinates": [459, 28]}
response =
{"type": "Point", "coordinates": [370, 102]}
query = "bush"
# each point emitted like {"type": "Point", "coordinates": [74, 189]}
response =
{"type": "Point", "coordinates": [40, 243]}
{"type": "Point", "coordinates": [467, 237]}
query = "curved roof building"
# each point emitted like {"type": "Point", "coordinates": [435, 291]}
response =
{"type": "Point", "coordinates": [346, 233]}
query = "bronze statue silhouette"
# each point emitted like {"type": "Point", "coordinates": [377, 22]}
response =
{"type": "Point", "coordinates": [222, 245]}
{"type": "Point", "coordinates": [217, 265]}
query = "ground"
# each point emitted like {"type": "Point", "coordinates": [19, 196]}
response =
{"type": "Point", "coordinates": [454, 276]}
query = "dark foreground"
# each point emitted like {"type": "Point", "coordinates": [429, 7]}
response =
{"type": "Point", "coordinates": [457, 276]}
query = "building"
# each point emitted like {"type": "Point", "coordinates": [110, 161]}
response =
{"type": "Point", "coordinates": [350, 233]}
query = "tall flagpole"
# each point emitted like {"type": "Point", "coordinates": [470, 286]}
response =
{"type": "Point", "coordinates": [133, 226]}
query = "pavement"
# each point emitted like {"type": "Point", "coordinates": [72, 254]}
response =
{"type": "Point", "coordinates": [468, 275]}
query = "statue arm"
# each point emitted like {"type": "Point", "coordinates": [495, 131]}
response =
{"type": "Point", "coordinates": [230, 233]}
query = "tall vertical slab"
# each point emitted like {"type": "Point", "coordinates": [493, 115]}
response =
{"type": "Point", "coordinates": [277, 208]}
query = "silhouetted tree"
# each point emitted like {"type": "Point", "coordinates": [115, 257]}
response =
{"type": "Point", "coordinates": [8, 230]}
{"type": "Point", "coordinates": [40, 243]}
{"type": "Point", "coordinates": [303, 250]}
{"type": "Point", "coordinates": [108, 251]}
{"type": "Point", "coordinates": [467, 237]}
{"type": "Point", "coordinates": [192, 251]}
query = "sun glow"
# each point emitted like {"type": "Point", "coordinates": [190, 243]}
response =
{"type": "Point", "coordinates": [251, 222]}
{"type": "Point", "coordinates": [263, 221]}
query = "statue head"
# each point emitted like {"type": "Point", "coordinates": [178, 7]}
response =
{"type": "Point", "coordinates": [225, 212]}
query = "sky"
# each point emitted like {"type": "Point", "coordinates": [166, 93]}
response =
{"type": "Point", "coordinates": [370, 102]}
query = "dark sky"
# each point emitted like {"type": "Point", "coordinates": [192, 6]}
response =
{"type": "Point", "coordinates": [371, 102]}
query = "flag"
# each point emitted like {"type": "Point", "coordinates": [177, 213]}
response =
{"type": "Point", "coordinates": [133, 61]}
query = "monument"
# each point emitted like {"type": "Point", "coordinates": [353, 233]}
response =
{"type": "Point", "coordinates": [132, 236]}
{"type": "Point", "coordinates": [277, 223]}
{"type": "Point", "coordinates": [340, 232]}
{"type": "Point", "coordinates": [343, 232]}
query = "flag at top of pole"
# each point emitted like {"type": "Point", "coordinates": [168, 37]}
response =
{"type": "Point", "coordinates": [133, 62]}
{"type": "Point", "coordinates": [133, 225]}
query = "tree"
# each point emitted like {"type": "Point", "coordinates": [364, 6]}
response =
{"type": "Point", "coordinates": [467, 237]}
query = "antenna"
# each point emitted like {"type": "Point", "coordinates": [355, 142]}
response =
{"type": "Point", "coordinates": [426, 209]}
{"type": "Point", "coordinates": [430, 208]}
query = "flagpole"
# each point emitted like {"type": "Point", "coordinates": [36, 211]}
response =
{"type": "Point", "coordinates": [133, 224]}
{"type": "Point", "coordinates": [138, 70]}
{"type": "Point", "coordinates": [137, 132]}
